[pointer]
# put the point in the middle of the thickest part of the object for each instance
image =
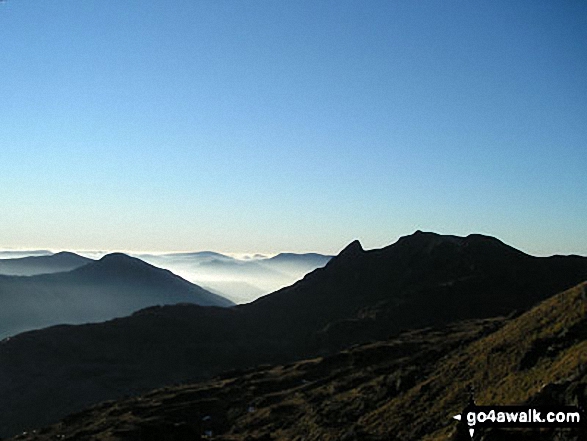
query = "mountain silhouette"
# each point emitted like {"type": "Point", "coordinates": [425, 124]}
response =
{"type": "Point", "coordinates": [422, 280]}
{"type": "Point", "coordinates": [34, 265]}
{"type": "Point", "coordinates": [113, 286]}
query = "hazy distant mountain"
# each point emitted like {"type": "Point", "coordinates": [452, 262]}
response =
{"type": "Point", "coordinates": [188, 258]}
{"type": "Point", "coordinates": [15, 254]}
{"type": "Point", "coordinates": [306, 259]}
{"type": "Point", "coordinates": [422, 280]}
{"type": "Point", "coordinates": [44, 264]}
{"type": "Point", "coordinates": [114, 286]}
{"type": "Point", "coordinates": [296, 265]}
{"type": "Point", "coordinates": [241, 280]}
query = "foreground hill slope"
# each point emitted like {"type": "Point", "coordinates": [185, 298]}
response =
{"type": "Point", "coordinates": [114, 286]}
{"type": "Point", "coordinates": [35, 265]}
{"type": "Point", "coordinates": [422, 280]}
{"type": "Point", "coordinates": [405, 388]}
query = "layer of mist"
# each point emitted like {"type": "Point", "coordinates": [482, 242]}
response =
{"type": "Point", "coordinates": [241, 280]}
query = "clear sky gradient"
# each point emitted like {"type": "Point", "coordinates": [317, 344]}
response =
{"type": "Point", "coordinates": [270, 126]}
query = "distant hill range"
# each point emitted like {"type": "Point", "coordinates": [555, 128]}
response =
{"type": "Point", "coordinates": [114, 286]}
{"type": "Point", "coordinates": [422, 280]}
{"type": "Point", "coordinates": [15, 254]}
{"type": "Point", "coordinates": [44, 264]}
{"type": "Point", "coordinates": [241, 280]}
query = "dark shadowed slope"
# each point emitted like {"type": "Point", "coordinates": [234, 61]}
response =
{"type": "Point", "coordinates": [114, 286]}
{"type": "Point", "coordinates": [422, 280]}
{"type": "Point", "coordinates": [34, 265]}
{"type": "Point", "coordinates": [405, 388]}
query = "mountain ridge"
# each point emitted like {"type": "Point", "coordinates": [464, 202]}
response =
{"type": "Point", "coordinates": [46, 264]}
{"type": "Point", "coordinates": [419, 274]}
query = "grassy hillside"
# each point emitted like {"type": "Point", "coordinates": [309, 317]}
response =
{"type": "Point", "coordinates": [405, 388]}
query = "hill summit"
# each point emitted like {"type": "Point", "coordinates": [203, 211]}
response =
{"type": "Point", "coordinates": [44, 264]}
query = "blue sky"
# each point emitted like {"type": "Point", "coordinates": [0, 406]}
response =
{"type": "Point", "coordinates": [291, 126]}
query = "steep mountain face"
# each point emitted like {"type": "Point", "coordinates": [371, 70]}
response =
{"type": "Point", "coordinates": [405, 388]}
{"type": "Point", "coordinates": [359, 296]}
{"type": "Point", "coordinates": [34, 265]}
{"type": "Point", "coordinates": [114, 286]}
